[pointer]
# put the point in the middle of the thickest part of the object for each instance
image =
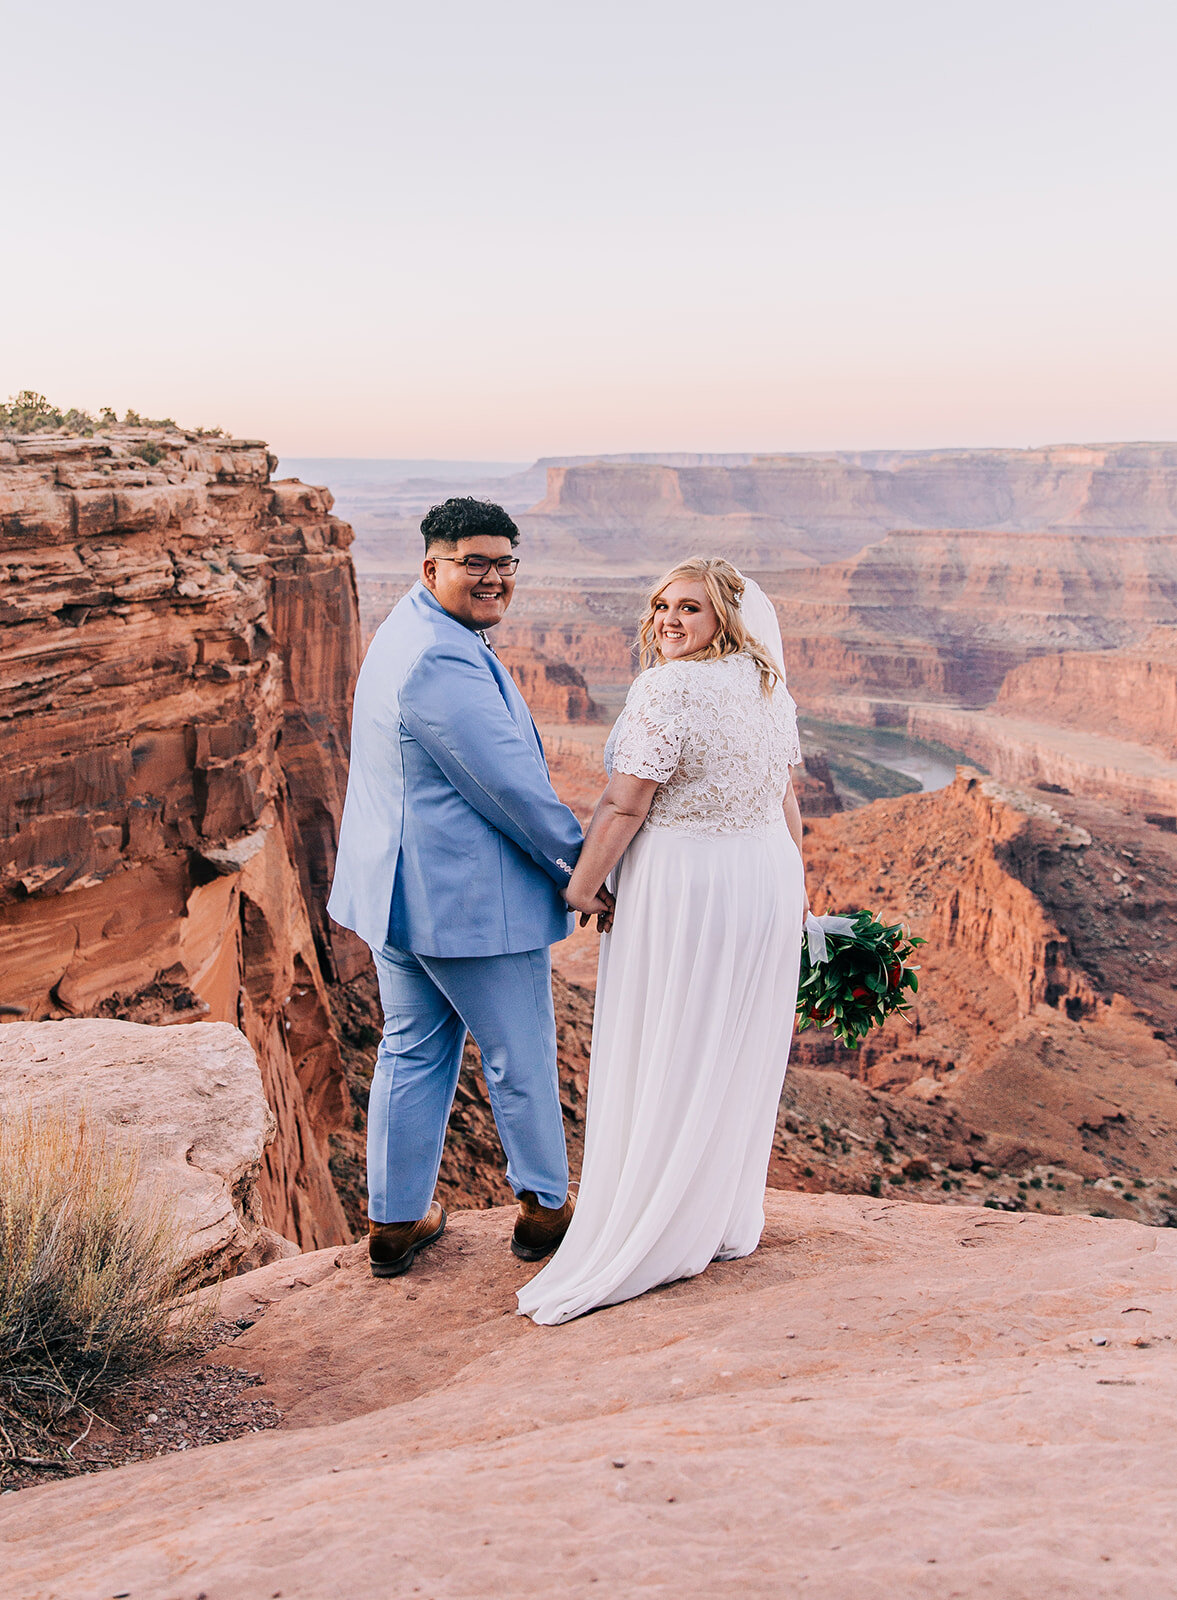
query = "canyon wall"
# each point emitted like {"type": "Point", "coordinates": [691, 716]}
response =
{"type": "Point", "coordinates": [1038, 1066]}
{"type": "Point", "coordinates": [1132, 692]}
{"type": "Point", "coordinates": [806, 508]}
{"type": "Point", "coordinates": [178, 640]}
{"type": "Point", "coordinates": [926, 615]}
{"type": "Point", "coordinates": [555, 691]}
{"type": "Point", "coordinates": [1106, 489]}
{"type": "Point", "coordinates": [1038, 753]}
{"type": "Point", "coordinates": [946, 614]}
{"type": "Point", "coordinates": [604, 652]}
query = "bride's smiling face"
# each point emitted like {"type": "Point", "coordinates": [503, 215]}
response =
{"type": "Point", "coordinates": [684, 619]}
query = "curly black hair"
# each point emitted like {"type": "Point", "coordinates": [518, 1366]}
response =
{"type": "Point", "coordinates": [462, 517]}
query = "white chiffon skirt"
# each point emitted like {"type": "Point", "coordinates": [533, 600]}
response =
{"type": "Point", "coordinates": [696, 995]}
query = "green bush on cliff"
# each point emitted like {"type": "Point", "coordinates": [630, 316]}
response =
{"type": "Point", "coordinates": [90, 1274]}
{"type": "Point", "coordinates": [30, 412]}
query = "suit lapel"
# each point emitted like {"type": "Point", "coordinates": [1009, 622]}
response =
{"type": "Point", "coordinates": [508, 688]}
{"type": "Point", "coordinates": [516, 704]}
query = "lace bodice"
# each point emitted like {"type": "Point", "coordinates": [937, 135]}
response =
{"type": "Point", "coordinates": [720, 750]}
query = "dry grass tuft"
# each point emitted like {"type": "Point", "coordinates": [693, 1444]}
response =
{"type": "Point", "coordinates": [90, 1275]}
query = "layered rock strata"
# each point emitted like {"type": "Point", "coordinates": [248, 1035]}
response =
{"type": "Point", "coordinates": [636, 514]}
{"type": "Point", "coordinates": [1048, 659]}
{"type": "Point", "coordinates": [555, 691]}
{"type": "Point", "coordinates": [818, 503]}
{"type": "Point", "coordinates": [1132, 692]}
{"type": "Point", "coordinates": [1036, 753]}
{"type": "Point", "coordinates": [946, 614]}
{"type": "Point", "coordinates": [1039, 1066]}
{"type": "Point", "coordinates": [178, 640]}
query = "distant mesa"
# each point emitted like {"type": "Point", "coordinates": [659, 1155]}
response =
{"type": "Point", "coordinates": [613, 514]}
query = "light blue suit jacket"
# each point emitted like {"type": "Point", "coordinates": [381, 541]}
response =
{"type": "Point", "coordinates": [453, 842]}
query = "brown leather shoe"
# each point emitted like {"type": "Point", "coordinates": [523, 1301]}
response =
{"type": "Point", "coordinates": [393, 1245]}
{"type": "Point", "coordinates": [538, 1229]}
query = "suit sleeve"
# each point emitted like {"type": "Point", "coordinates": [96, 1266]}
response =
{"type": "Point", "coordinates": [454, 709]}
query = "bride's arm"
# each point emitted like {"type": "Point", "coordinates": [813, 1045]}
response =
{"type": "Point", "coordinates": [793, 819]}
{"type": "Point", "coordinates": [620, 812]}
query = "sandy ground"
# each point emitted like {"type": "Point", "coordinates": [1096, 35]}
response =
{"type": "Point", "coordinates": [887, 1400]}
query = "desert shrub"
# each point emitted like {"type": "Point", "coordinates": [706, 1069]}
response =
{"type": "Point", "coordinates": [30, 412]}
{"type": "Point", "coordinates": [90, 1271]}
{"type": "Point", "coordinates": [148, 451]}
{"type": "Point", "coordinates": [133, 420]}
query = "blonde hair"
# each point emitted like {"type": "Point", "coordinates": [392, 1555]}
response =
{"type": "Point", "coordinates": [724, 586]}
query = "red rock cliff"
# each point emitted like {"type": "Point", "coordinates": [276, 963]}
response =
{"type": "Point", "coordinates": [555, 691]}
{"type": "Point", "coordinates": [945, 615]}
{"type": "Point", "coordinates": [178, 640]}
{"type": "Point", "coordinates": [1132, 693]}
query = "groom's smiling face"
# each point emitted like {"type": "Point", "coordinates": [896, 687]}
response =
{"type": "Point", "coordinates": [479, 602]}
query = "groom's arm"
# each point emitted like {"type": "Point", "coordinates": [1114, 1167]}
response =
{"type": "Point", "coordinates": [453, 707]}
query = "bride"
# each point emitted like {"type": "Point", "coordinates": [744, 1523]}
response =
{"type": "Point", "coordinates": [698, 976]}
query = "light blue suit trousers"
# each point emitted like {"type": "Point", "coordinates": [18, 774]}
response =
{"type": "Point", "coordinates": [429, 1002]}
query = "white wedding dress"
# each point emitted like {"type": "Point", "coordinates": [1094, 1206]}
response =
{"type": "Point", "coordinates": [696, 992]}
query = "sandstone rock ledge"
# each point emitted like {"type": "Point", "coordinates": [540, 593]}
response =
{"type": "Point", "coordinates": [189, 1100]}
{"type": "Point", "coordinates": [887, 1400]}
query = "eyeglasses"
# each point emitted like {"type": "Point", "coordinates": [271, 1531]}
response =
{"type": "Point", "coordinates": [479, 566]}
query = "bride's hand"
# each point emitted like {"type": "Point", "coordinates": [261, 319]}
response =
{"type": "Point", "coordinates": [804, 902]}
{"type": "Point", "coordinates": [587, 904]}
{"type": "Point", "coordinates": [599, 905]}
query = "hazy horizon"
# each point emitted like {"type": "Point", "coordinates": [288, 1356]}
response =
{"type": "Point", "coordinates": [448, 467]}
{"type": "Point", "coordinates": [464, 234]}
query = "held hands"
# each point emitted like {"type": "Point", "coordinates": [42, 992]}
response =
{"type": "Point", "coordinates": [599, 905]}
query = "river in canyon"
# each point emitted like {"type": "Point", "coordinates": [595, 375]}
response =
{"type": "Point", "coordinates": [878, 763]}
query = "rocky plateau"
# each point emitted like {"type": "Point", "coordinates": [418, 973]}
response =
{"type": "Point", "coordinates": [886, 1399]}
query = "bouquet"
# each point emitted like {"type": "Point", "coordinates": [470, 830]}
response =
{"type": "Point", "coordinates": [855, 971]}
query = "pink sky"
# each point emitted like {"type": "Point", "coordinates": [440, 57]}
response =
{"type": "Point", "coordinates": [501, 232]}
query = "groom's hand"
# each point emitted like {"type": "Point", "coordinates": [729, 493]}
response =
{"type": "Point", "coordinates": [604, 918]}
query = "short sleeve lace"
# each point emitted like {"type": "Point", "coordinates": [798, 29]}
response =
{"type": "Point", "coordinates": [647, 740]}
{"type": "Point", "coordinates": [718, 748]}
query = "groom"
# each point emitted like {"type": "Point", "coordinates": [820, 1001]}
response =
{"type": "Point", "coordinates": [452, 854]}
